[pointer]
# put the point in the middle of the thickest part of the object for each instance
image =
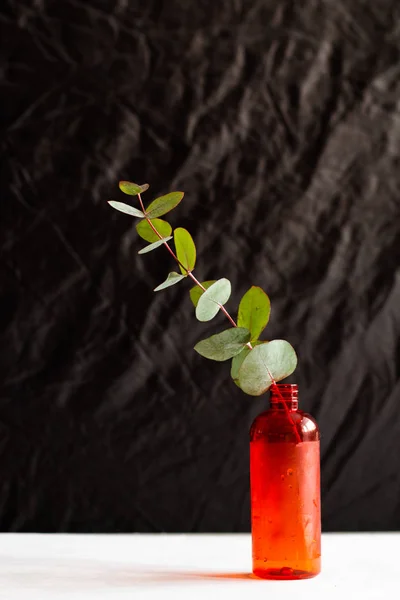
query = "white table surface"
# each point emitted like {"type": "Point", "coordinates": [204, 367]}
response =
{"type": "Point", "coordinates": [355, 566]}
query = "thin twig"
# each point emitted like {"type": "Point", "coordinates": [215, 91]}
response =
{"type": "Point", "coordinates": [221, 307]}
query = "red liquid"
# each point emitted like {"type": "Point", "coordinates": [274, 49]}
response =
{"type": "Point", "coordinates": [285, 494]}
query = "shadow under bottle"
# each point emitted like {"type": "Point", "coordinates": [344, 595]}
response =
{"type": "Point", "coordinates": [285, 489]}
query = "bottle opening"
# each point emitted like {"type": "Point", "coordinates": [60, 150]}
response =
{"type": "Point", "coordinates": [284, 393]}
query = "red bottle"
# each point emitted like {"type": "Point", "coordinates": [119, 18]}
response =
{"type": "Point", "coordinates": [285, 489]}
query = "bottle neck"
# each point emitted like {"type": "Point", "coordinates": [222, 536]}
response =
{"type": "Point", "coordinates": [284, 394]}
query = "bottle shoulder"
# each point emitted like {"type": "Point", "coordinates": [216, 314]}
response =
{"type": "Point", "coordinates": [278, 425]}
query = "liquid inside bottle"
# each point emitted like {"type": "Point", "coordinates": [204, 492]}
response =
{"type": "Point", "coordinates": [285, 489]}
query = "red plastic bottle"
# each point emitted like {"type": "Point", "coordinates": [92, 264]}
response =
{"type": "Point", "coordinates": [285, 489]}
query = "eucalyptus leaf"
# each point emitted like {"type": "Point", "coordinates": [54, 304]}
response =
{"type": "Point", "coordinates": [276, 359]}
{"type": "Point", "coordinates": [237, 363]}
{"type": "Point", "coordinates": [254, 311]}
{"type": "Point", "coordinates": [225, 345]}
{"type": "Point", "coordinates": [185, 249]}
{"type": "Point", "coordinates": [238, 360]}
{"type": "Point", "coordinates": [125, 208]}
{"type": "Point", "coordinates": [209, 302]}
{"type": "Point", "coordinates": [172, 279]}
{"type": "Point", "coordinates": [196, 291]}
{"type": "Point", "coordinates": [132, 189]}
{"type": "Point", "coordinates": [160, 206]}
{"type": "Point", "coordinates": [155, 245]}
{"type": "Point", "coordinates": [145, 231]}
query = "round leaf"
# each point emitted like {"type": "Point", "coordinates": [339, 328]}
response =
{"type": "Point", "coordinates": [223, 346]}
{"type": "Point", "coordinates": [132, 189]}
{"type": "Point", "coordinates": [185, 249]}
{"type": "Point", "coordinates": [196, 291]}
{"type": "Point", "coordinates": [254, 311]}
{"type": "Point", "coordinates": [145, 231]}
{"type": "Point", "coordinates": [160, 206]}
{"type": "Point", "coordinates": [276, 359]}
{"type": "Point", "coordinates": [125, 208]}
{"type": "Point", "coordinates": [237, 363]}
{"type": "Point", "coordinates": [155, 245]}
{"type": "Point", "coordinates": [209, 302]}
{"type": "Point", "coordinates": [238, 360]}
{"type": "Point", "coordinates": [172, 279]}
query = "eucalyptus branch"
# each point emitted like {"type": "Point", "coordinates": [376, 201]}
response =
{"type": "Point", "coordinates": [190, 274]}
{"type": "Point", "coordinates": [256, 364]}
{"type": "Point", "coordinates": [160, 236]}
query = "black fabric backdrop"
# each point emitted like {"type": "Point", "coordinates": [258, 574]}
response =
{"type": "Point", "coordinates": [280, 120]}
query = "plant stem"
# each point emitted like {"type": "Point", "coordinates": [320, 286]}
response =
{"type": "Point", "coordinates": [197, 282]}
{"type": "Point", "coordinates": [288, 414]}
{"type": "Point", "coordinates": [190, 274]}
{"type": "Point", "coordinates": [221, 307]}
{"type": "Point", "coordinates": [159, 234]}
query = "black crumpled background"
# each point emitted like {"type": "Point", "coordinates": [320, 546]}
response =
{"type": "Point", "coordinates": [281, 122]}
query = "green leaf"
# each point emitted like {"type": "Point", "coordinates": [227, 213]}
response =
{"type": "Point", "coordinates": [223, 346]}
{"type": "Point", "coordinates": [275, 359]}
{"type": "Point", "coordinates": [238, 360]}
{"type": "Point", "coordinates": [185, 249]}
{"type": "Point", "coordinates": [145, 231]}
{"type": "Point", "coordinates": [172, 279]}
{"type": "Point", "coordinates": [132, 189]}
{"type": "Point", "coordinates": [254, 311]}
{"type": "Point", "coordinates": [196, 291]}
{"type": "Point", "coordinates": [125, 208]}
{"type": "Point", "coordinates": [217, 294]}
{"type": "Point", "coordinates": [160, 206]}
{"type": "Point", "coordinates": [154, 246]}
{"type": "Point", "coordinates": [237, 363]}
